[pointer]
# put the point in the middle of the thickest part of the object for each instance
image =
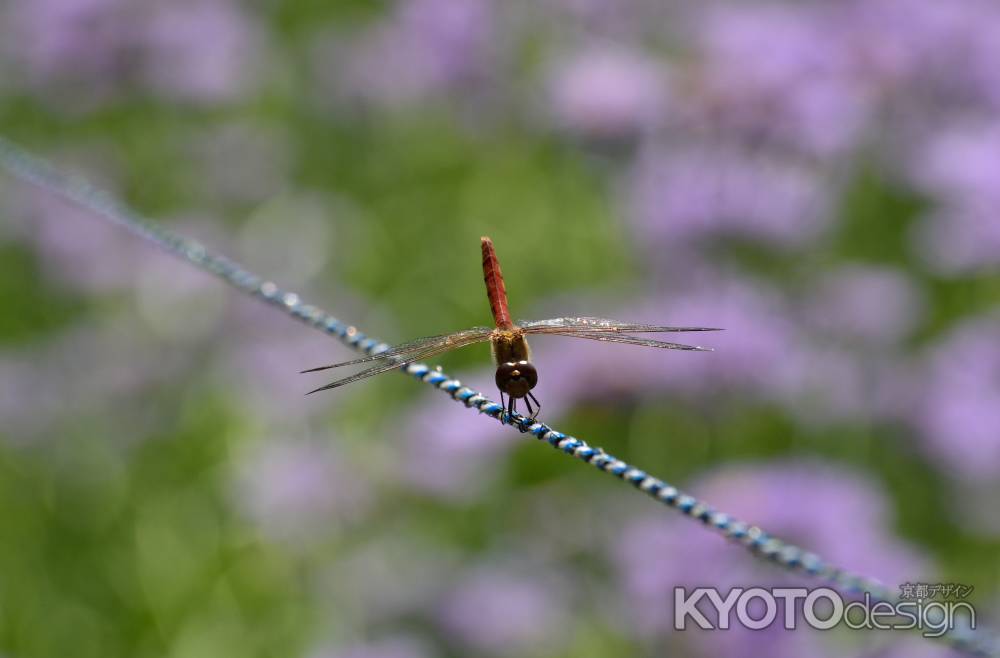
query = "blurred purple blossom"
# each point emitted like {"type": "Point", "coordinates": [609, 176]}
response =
{"type": "Point", "coordinates": [502, 611]}
{"type": "Point", "coordinates": [620, 20]}
{"type": "Point", "coordinates": [198, 50]}
{"type": "Point", "coordinates": [447, 450]}
{"type": "Point", "coordinates": [734, 36]}
{"type": "Point", "coordinates": [784, 70]}
{"type": "Point", "coordinates": [266, 357]}
{"type": "Point", "coordinates": [609, 93]}
{"type": "Point", "coordinates": [960, 168]}
{"type": "Point", "coordinates": [423, 47]}
{"type": "Point", "coordinates": [959, 409]}
{"type": "Point", "coordinates": [751, 355]}
{"type": "Point", "coordinates": [78, 249]}
{"type": "Point", "coordinates": [206, 51]}
{"type": "Point", "coordinates": [960, 165]}
{"type": "Point", "coordinates": [959, 241]}
{"type": "Point", "coordinates": [831, 383]}
{"type": "Point", "coordinates": [940, 51]}
{"type": "Point", "coordinates": [297, 491]}
{"type": "Point", "coordinates": [816, 506]}
{"type": "Point", "coordinates": [876, 305]}
{"type": "Point", "coordinates": [98, 368]}
{"type": "Point", "coordinates": [767, 353]}
{"type": "Point", "coordinates": [56, 42]}
{"type": "Point", "coordinates": [682, 195]}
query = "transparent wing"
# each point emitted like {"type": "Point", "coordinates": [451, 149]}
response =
{"type": "Point", "coordinates": [598, 325]}
{"type": "Point", "coordinates": [628, 340]}
{"type": "Point", "coordinates": [402, 349]}
{"type": "Point", "coordinates": [408, 353]}
{"type": "Point", "coordinates": [611, 331]}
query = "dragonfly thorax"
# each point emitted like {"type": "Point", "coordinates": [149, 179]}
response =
{"type": "Point", "coordinates": [516, 378]}
{"type": "Point", "coordinates": [509, 345]}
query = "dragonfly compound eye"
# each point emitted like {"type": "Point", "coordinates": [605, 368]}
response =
{"type": "Point", "coordinates": [516, 378]}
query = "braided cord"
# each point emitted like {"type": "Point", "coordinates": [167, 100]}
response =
{"type": "Point", "coordinates": [75, 189]}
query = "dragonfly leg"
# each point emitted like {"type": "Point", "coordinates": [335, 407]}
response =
{"type": "Point", "coordinates": [510, 408]}
{"type": "Point", "coordinates": [502, 405]}
{"type": "Point", "coordinates": [538, 405]}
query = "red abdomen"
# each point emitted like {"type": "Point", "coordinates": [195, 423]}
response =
{"type": "Point", "coordinates": [495, 289]}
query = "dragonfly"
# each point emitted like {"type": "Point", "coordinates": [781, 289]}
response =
{"type": "Point", "coordinates": [516, 375]}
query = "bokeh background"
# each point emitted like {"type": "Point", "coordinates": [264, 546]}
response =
{"type": "Point", "coordinates": [820, 178]}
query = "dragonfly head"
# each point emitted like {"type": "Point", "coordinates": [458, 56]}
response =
{"type": "Point", "coordinates": [516, 378]}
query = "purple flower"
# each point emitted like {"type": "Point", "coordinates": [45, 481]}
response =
{"type": "Point", "coordinates": [686, 195]}
{"type": "Point", "coordinates": [80, 250]}
{"type": "Point", "coordinates": [834, 384]}
{"type": "Point", "coordinates": [84, 42]}
{"type": "Point", "coordinates": [955, 242]}
{"type": "Point", "coordinates": [765, 353]}
{"type": "Point", "coordinates": [102, 367]}
{"type": "Point", "coordinates": [505, 611]}
{"type": "Point", "coordinates": [295, 491]}
{"type": "Point", "coordinates": [608, 93]}
{"type": "Point", "coordinates": [752, 355]}
{"type": "Point", "coordinates": [784, 71]}
{"type": "Point", "coordinates": [960, 166]}
{"type": "Point", "coordinates": [205, 51]}
{"type": "Point", "coordinates": [959, 412]}
{"type": "Point", "coordinates": [449, 450]}
{"type": "Point", "coordinates": [618, 20]}
{"type": "Point", "coordinates": [834, 512]}
{"type": "Point", "coordinates": [798, 43]}
{"type": "Point", "coordinates": [266, 357]}
{"type": "Point", "coordinates": [876, 305]}
{"type": "Point", "coordinates": [948, 47]}
{"type": "Point", "coordinates": [424, 47]}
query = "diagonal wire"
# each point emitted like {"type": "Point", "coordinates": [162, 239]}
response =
{"type": "Point", "coordinates": [75, 189]}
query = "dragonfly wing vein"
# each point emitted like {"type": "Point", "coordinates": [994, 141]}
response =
{"type": "Point", "coordinates": [600, 325]}
{"type": "Point", "coordinates": [630, 340]}
{"type": "Point", "coordinates": [400, 360]}
{"type": "Point", "coordinates": [403, 349]}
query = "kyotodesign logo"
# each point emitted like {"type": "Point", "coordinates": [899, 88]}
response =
{"type": "Point", "coordinates": [821, 608]}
